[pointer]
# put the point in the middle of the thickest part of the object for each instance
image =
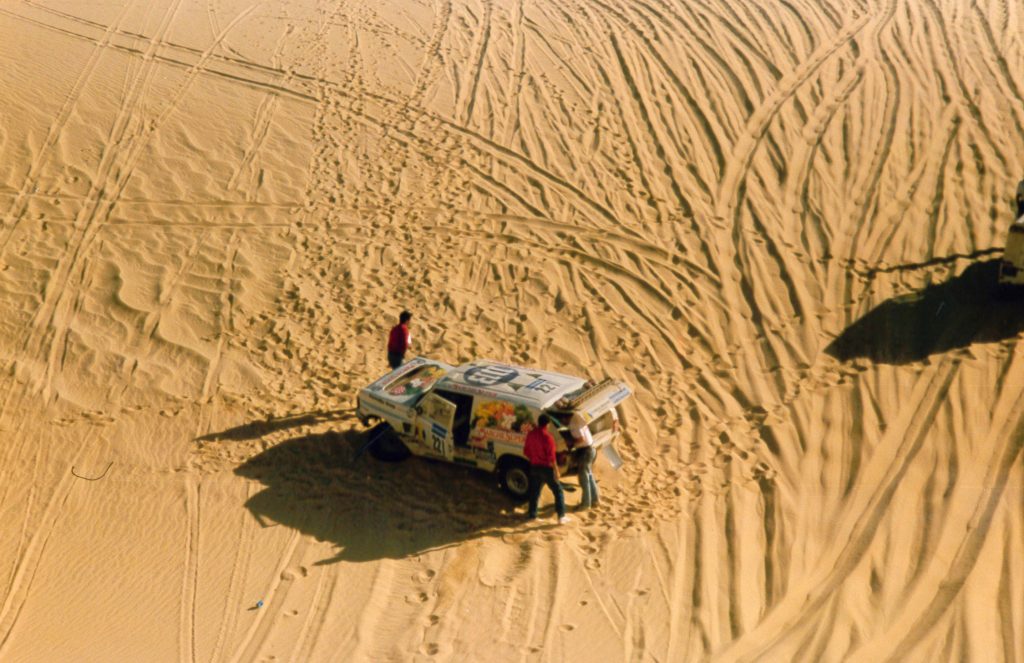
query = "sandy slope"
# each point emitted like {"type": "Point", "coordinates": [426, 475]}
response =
{"type": "Point", "coordinates": [778, 221]}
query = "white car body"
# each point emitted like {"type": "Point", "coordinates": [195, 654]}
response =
{"type": "Point", "coordinates": [478, 414]}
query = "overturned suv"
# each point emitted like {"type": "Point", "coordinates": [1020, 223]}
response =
{"type": "Point", "coordinates": [478, 414]}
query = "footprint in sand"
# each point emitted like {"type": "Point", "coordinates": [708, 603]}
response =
{"type": "Point", "coordinates": [292, 574]}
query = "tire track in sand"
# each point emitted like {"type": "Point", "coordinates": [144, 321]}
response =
{"type": "Point", "coordinates": [29, 186]}
{"type": "Point", "coordinates": [51, 319]}
{"type": "Point", "coordinates": [31, 556]}
{"type": "Point", "coordinates": [480, 53]}
{"type": "Point", "coordinates": [261, 123]}
{"type": "Point", "coordinates": [239, 572]}
{"type": "Point", "coordinates": [731, 187]}
{"type": "Point", "coordinates": [857, 524]}
{"type": "Point", "coordinates": [193, 485]}
{"type": "Point", "coordinates": [128, 138]}
{"type": "Point", "coordinates": [274, 598]}
{"type": "Point", "coordinates": [964, 534]}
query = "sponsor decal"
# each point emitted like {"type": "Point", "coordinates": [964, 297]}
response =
{"type": "Point", "coordinates": [499, 420]}
{"type": "Point", "coordinates": [490, 375]}
{"type": "Point", "coordinates": [490, 434]}
{"type": "Point", "coordinates": [541, 385]}
{"type": "Point", "coordinates": [619, 396]}
{"type": "Point", "coordinates": [416, 382]}
{"type": "Point", "coordinates": [471, 390]}
{"type": "Point", "coordinates": [398, 372]}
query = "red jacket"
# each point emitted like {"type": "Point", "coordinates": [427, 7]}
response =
{"type": "Point", "coordinates": [539, 448]}
{"type": "Point", "coordinates": [398, 339]}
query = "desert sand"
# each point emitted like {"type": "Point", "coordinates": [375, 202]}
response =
{"type": "Point", "coordinates": [778, 221]}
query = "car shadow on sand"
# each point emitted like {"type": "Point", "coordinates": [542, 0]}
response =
{"type": "Point", "coordinates": [964, 310]}
{"type": "Point", "coordinates": [370, 509]}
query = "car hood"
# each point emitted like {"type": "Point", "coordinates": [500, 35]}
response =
{"type": "Point", "coordinates": [405, 385]}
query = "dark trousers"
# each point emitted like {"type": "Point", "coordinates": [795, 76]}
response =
{"type": "Point", "coordinates": [395, 359]}
{"type": "Point", "coordinates": [539, 477]}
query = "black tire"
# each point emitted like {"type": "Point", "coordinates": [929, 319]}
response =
{"type": "Point", "coordinates": [514, 477]}
{"type": "Point", "coordinates": [388, 447]}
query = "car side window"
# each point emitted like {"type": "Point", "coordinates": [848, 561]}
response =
{"type": "Point", "coordinates": [433, 406]}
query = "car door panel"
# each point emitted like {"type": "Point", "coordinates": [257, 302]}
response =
{"type": "Point", "coordinates": [434, 419]}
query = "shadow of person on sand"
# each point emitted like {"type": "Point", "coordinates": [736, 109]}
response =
{"type": "Point", "coordinates": [955, 314]}
{"type": "Point", "coordinates": [370, 509]}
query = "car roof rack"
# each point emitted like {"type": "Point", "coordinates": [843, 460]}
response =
{"type": "Point", "coordinates": [570, 402]}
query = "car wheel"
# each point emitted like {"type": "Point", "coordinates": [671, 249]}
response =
{"type": "Point", "coordinates": [388, 447]}
{"type": "Point", "coordinates": [514, 476]}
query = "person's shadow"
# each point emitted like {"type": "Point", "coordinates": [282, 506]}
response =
{"type": "Point", "coordinates": [964, 310]}
{"type": "Point", "coordinates": [370, 509]}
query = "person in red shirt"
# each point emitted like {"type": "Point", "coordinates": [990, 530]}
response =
{"type": "Point", "coordinates": [539, 449]}
{"type": "Point", "coordinates": [399, 340]}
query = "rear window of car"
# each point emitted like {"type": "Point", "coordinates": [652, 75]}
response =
{"type": "Point", "coordinates": [603, 423]}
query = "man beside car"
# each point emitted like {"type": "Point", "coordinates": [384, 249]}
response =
{"type": "Point", "coordinates": [539, 449]}
{"type": "Point", "coordinates": [585, 454]}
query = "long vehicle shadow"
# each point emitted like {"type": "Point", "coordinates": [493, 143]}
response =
{"type": "Point", "coordinates": [369, 509]}
{"type": "Point", "coordinates": [950, 315]}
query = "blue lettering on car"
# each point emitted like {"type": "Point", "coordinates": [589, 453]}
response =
{"type": "Point", "coordinates": [541, 385]}
{"type": "Point", "coordinates": [490, 375]}
{"type": "Point", "coordinates": [618, 396]}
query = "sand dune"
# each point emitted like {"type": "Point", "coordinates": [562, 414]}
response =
{"type": "Point", "coordinates": [779, 222]}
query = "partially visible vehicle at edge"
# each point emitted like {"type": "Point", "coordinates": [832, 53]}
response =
{"type": "Point", "coordinates": [1011, 267]}
{"type": "Point", "coordinates": [478, 414]}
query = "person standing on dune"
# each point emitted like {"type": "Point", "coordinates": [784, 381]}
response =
{"type": "Point", "coordinates": [399, 340]}
{"type": "Point", "coordinates": [539, 449]}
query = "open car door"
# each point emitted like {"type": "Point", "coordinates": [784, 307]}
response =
{"type": "Point", "coordinates": [597, 405]}
{"type": "Point", "coordinates": [601, 398]}
{"type": "Point", "coordinates": [434, 418]}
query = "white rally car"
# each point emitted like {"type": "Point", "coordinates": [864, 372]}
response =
{"type": "Point", "coordinates": [478, 414]}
